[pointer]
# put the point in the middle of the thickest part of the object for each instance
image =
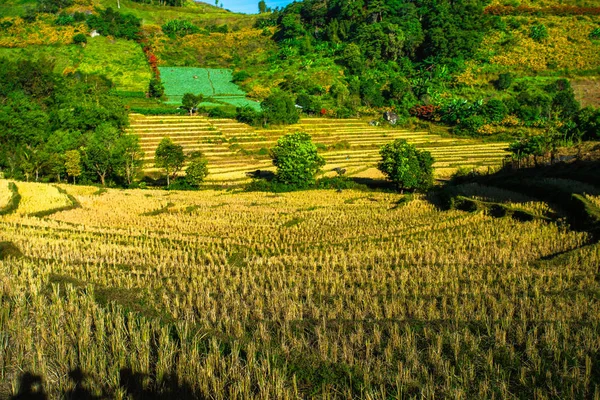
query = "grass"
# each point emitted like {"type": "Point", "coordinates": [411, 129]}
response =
{"type": "Point", "coordinates": [121, 61]}
{"type": "Point", "coordinates": [300, 295]}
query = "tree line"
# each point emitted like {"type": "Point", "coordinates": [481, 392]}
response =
{"type": "Point", "coordinates": [58, 127]}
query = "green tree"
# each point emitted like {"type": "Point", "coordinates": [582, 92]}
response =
{"type": "Point", "coordinates": [196, 170]}
{"type": "Point", "coordinates": [262, 7]}
{"type": "Point", "coordinates": [297, 160]}
{"type": "Point", "coordinates": [406, 166]}
{"type": "Point", "coordinates": [102, 151]}
{"type": "Point", "coordinates": [170, 157]}
{"type": "Point", "coordinates": [128, 157]}
{"type": "Point", "coordinates": [73, 163]}
{"type": "Point", "coordinates": [156, 88]}
{"type": "Point", "coordinates": [279, 108]}
{"type": "Point", "coordinates": [190, 101]}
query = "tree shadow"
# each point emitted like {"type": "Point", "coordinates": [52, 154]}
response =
{"type": "Point", "coordinates": [9, 250]}
{"type": "Point", "coordinates": [137, 386]}
{"type": "Point", "coordinates": [376, 184]}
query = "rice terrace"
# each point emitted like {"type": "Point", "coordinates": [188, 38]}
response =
{"type": "Point", "coordinates": [333, 199]}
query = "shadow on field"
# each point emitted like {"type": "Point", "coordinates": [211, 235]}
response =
{"type": "Point", "coordinates": [135, 385]}
{"type": "Point", "coordinates": [371, 183]}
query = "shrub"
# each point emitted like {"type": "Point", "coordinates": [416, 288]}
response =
{"type": "Point", "coordinates": [80, 38]}
{"type": "Point", "coordinates": [538, 32]}
{"type": "Point", "coordinates": [64, 19]}
{"type": "Point", "coordinates": [240, 76]}
{"type": "Point", "coordinates": [248, 115]}
{"type": "Point", "coordinates": [297, 160]}
{"type": "Point", "coordinates": [427, 112]}
{"type": "Point", "coordinates": [595, 34]}
{"type": "Point", "coordinates": [495, 110]}
{"type": "Point", "coordinates": [504, 81]}
{"type": "Point", "coordinates": [178, 27]}
{"type": "Point", "coordinates": [405, 166]}
{"type": "Point", "coordinates": [470, 125]}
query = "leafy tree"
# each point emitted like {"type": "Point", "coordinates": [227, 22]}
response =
{"type": "Point", "coordinates": [102, 154]}
{"type": "Point", "coordinates": [279, 108]}
{"type": "Point", "coordinates": [156, 89]}
{"type": "Point", "coordinates": [73, 163]}
{"type": "Point", "coordinates": [406, 166]}
{"type": "Point", "coordinates": [297, 160]}
{"type": "Point", "coordinates": [170, 157]}
{"type": "Point", "coordinates": [128, 158]}
{"type": "Point", "coordinates": [309, 104]}
{"type": "Point", "coordinates": [262, 7]}
{"type": "Point", "coordinates": [190, 101]}
{"type": "Point", "coordinates": [196, 170]}
{"type": "Point", "coordinates": [110, 22]}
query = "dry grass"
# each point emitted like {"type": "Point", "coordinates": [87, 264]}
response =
{"type": "Point", "coordinates": [38, 197]}
{"type": "Point", "coordinates": [5, 193]}
{"type": "Point", "coordinates": [312, 294]}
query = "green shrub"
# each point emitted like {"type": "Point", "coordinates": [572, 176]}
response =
{"type": "Point", "coordinates": [64, 19]}
{"type": "Point", "coordinates": [595, 34]}
{"type": "Point", "coordinates": [538, 32]}
{"type": "Point", "coordinates": [248, 115]}
{"type": "Point", "coordinates": [179, 27]}
{"type": "Point", "coordinates": [495, 110]}
{"type": "Point", "coordinates": [240, 76]}
{"type": "Point", "coordinates": [504, 81]}
{"type": "Point", "coordinates": [297, 160]}
{"type": "Point", "coordinates": [405, 166]}
{"type": "Point", "coordinates": [80, 38]}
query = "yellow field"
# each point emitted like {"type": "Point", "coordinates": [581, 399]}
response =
{"type": "Point", "coordinates": [5, 193]}
{"type": "Point", "coordinates": [228, 294]}
{"type": "Point", "coordinates": [36, 197]}
{"type": "Point", "coordinates": [233, 149]}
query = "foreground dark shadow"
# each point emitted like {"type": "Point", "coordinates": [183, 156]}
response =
{"type": "Point", "coordinates": [135, 385]}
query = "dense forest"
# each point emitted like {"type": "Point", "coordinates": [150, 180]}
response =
{"type": "Point", "coordinates": [55, 126]}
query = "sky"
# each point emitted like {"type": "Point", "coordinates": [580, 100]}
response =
{"type": "Point", "coordinates": [249, 6]}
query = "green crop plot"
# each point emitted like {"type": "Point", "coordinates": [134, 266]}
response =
{"type": "Point", "coordinates": [210, 82]}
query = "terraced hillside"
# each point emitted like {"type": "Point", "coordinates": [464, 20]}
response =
{"type": "Point", "coordinates": [233, 148]}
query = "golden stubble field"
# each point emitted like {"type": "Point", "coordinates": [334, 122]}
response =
{"type": "Point", "coordinates": [227, 294]}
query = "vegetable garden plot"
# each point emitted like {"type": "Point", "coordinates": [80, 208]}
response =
{"type": "Point", "coordinates": [210, 82]}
